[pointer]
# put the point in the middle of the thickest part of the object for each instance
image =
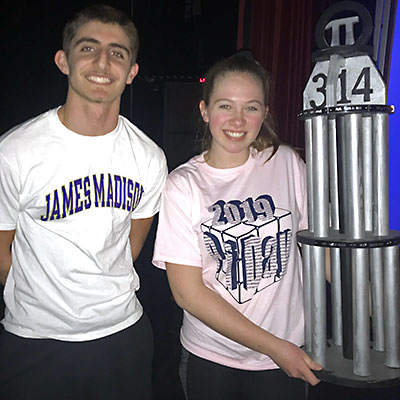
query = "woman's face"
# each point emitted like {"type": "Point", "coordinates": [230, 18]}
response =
{"type": "Point", "coordinates": [235, 113]}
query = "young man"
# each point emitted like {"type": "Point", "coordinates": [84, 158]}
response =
{"type": "Point", "coordinates": [79, 186]}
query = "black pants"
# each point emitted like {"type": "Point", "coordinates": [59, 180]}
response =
{"type": "Point", "coordinates": [114, 367]}
{"type": "Point", "coordinates": [206, 380]}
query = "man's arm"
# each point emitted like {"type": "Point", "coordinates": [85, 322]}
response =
{"type": "Point", "coordinates": [139, 231]}
{"type": "Point", "coordinates": [6, 238]}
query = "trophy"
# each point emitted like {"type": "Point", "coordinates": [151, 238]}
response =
{"type": "Point", "coordinates": [346, 133]}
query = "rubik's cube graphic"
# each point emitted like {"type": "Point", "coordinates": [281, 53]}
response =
{"type": "Point", "coordinates": [250, 256]}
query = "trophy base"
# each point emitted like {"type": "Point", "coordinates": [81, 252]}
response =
{"type": "Point", "coordinates": [339, 370]}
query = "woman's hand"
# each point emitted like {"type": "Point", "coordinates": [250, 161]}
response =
{"type": "Point", "coordinates": [294, 361]}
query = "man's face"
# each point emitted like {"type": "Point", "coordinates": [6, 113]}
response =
{"type": "Point", "coordinates": [98, 64]}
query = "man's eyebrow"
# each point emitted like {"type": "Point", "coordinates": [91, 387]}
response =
{"type": "Point", "coordinates": [95, 41]}
{"type": "Point", "coordinates": [120, 46]}
{"type": "Point", "coordinates": [86, 39]}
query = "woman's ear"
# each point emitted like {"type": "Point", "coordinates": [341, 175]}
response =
{"type": "Point", "coordinates": [203, 111]}
{"type": "Point", "coordinates": [266, 112]}
{"type": "Point", "coordinates": [61, 61]}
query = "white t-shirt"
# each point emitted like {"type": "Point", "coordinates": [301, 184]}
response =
{"type": "Point", "coordinates": [239, 225]}
{"type": "Point", "coordinates": [70, 199]}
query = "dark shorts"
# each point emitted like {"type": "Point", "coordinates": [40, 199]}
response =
{"type": "Point", "coordinates": [114, 367]}
{"type": "Point", "coordinates": [205, 380]}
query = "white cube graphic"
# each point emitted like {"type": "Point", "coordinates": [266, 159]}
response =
{"type": "Point", "coordinates": [250, 256]}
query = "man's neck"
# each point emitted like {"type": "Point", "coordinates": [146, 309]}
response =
{"type": "Point", "coordinates": [89, 119]}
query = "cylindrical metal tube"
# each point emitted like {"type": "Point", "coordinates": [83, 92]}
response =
{"type": "Point", "coordinates": [320, 175]}
{"type": "Point", "coordinates": [333, 174]}
{"type": "Point", "coordinates": [392, 306]}
{"type": "Point", "coordinates": [307, 296]}
{"type": "Point", "coordinates": [376, 276]}
{"type": "Point", "coordinates": [367, 171]}
{"type": "Point", "coordinates": [361, 358]}
{"type": "Point", "coordinates": [345, 254]}
{"type": "Point", "coordinates": [318, 300]}
{"type": "Point", "coordinates": [335, 224]}
{"type": "Point", "coordinates": [309, 167]}
{"type": "Point", "coordinates": [380, 174]}
{"type": "Point", "coordinates": [354, 176]}
{"type": "Point", "coordinates": [336, 297]}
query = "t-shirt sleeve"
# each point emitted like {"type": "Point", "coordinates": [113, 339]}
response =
{"type": "Point", "coordinates": [9, 197]}
{"type": "Point", "coordinates": [301, 191]}
{"type": "Point", "coordinates": [176, 240]}
{"type": "Point", "coordinates": [150, 202]}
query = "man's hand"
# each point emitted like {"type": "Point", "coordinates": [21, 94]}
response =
{"type": "Point", "coordinates": [139, 231]}
{"type": "Point", "coordinates": [6, 238]}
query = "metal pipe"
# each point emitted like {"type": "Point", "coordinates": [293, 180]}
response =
{"type": "Point", "coordinates": [392, 306]}
{"type": "Point", "coordinates": [376, 276]}
{"type": "Point", "coordinates": [318, 300]}
{"type": "Point", "coordinates": [309, 167]}
{"type": "Point", "coordinates": [307, 290]}
{"type": "Point", "coordinates": [337, 325]}
{"type": "Point", "coordinates": [320, 175]}
{"type": "Point", "coordinates": [336, 291]}
{"type": "Point", "coordinates": [354, 176]}
{"type": "Point", "coordinates": [380, 174]}
{"type": "Point", "coordinates": [367, 164]}
{"type": "Point", "coordinates": [345, 254]}
{"type": "Point", "coordinates": [321, 229]}
{"type": "Point", "coordinates": [361, 357]}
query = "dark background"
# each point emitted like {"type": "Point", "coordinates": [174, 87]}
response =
{"type": "Point", "coordinates": [179, 41]}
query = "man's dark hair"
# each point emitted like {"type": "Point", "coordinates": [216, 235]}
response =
{"type": "Point", "coordinates": [107, 15]}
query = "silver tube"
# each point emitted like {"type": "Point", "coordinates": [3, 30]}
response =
{"type": "Point", "coordinates": [318, 304]}
{"type": "Point", "coordinates": [392, 306]}
{"type": "Point", "coordinates": [361, 341]}
{"type": "Point", "coordinates": [367, 171]}
{"type": "Point", "coordinates": [320, 175]}
{"type": "Point", "coordinates": [333, 174]}
{"type": "Point", "coordinates": [376, 276]}
{"type": "Point", "coordinates": [336, 297]}
{"type": "Point", "coordinates": [334, 219]}
{"type": "Point", "coordinates": [354, 176]}
{"type": "Point", "coordinates": [307, 296]}
{"type": "Point", "coordinates": [309, 167]}
{"type": "Point", "coordinates": [380, 174]}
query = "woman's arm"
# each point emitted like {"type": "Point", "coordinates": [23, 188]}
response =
{"type": "Point", "coordinates": [192, 295]}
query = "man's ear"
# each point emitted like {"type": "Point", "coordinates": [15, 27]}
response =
{"type": "Point", "coordinates": [203, 111]}
{"type": "Point", "coordinates": [61, 61]}
{"type": "Point", "coordinates": [132, 73]}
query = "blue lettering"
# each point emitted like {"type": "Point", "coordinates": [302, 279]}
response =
{"type": "Point", "coordinates": [86, 186]}
{"type": "Point", "coordinates": [117, 191]}
{"type": "Point", "coordinates": [67, 201]}
{"type": "Point", "coordinates": [110, 192]}
{"type": "Point", "coordinates": [56, 207]}
{"type": "Point", "coordinates": [98, 190]}
{"type": "Point", "coordinates": [78, 204]}
{"type": "Point", "coordinates": [45, 218]}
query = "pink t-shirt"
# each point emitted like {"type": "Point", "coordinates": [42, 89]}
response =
{"type": "Point", "coordinates": [239, 225]}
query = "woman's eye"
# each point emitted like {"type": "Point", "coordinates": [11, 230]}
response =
{"type": "Point", "coordinates": [225, 106]}
{"type": "Point", "coordinates": [252, 108]}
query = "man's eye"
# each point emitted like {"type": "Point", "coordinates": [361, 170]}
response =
{"type": "Point", "coordinates": [87, 49]}
{"type": "Point", "coordinates": [117, 54]}
{"type": "Point", "coordinates": [225, 106]}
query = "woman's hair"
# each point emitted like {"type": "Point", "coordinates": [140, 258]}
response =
{"type": "Point", "coordinates": [242, 62]}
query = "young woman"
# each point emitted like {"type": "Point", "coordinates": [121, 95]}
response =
{"type": "Point", "coordinates": [226, 237]}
